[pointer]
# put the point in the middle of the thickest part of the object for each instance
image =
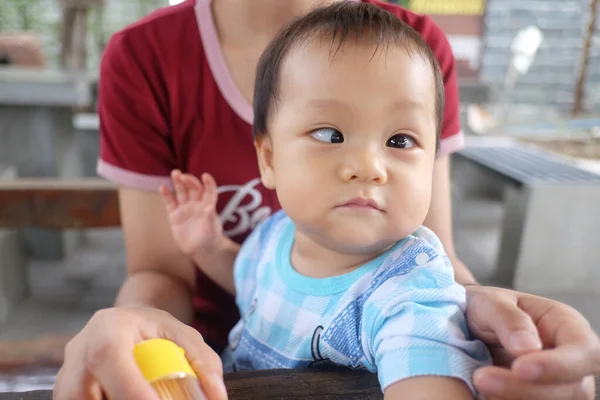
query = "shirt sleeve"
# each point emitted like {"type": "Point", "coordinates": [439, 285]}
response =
{"type": "Point", "coordinates": [135, 146]}
{"type": "Point", "coordinates": [420, 329]}
{"type": "Point", "coordinates": [452, 138]}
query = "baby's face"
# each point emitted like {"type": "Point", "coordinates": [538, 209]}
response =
{"type": "Point", "coordinates": [351, 144]}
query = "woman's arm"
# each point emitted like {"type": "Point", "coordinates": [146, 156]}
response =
{"type": "Point", "coordinates": [439, 218]}
{"type": "Point", "coordinates": [159, 275]}
{"type": "Point", "coordinates": [428, 388]}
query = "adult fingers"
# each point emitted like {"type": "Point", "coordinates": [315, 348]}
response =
{"type": "Point", "coordinates": [74, 381]}
{"type": "Point", "coordinates": [573, 347]}
{"type": "Point", "coordinates": [109, 358]}
{"type": "Point", "coordinates": [117, 372]}
{"type": "Point", "coordinates": [499, 383]}
{"type": "Point", "coordinates": [494, 316]}
{"type": "Point", "coordinates": [210, 376]}
{"type": "Point", "coordinates": [564, 364]}
{"type": "Point", "coordinates": [204, 360]}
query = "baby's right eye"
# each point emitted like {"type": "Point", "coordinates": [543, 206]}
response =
{"type": "Point", "coordinates": [328, 135]}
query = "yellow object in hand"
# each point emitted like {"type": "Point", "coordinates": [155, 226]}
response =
{"type": "Point", "coordinates": [164, 365]}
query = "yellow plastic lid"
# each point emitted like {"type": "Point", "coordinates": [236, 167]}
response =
{"type": "Point", "coordinates": [160, 358]}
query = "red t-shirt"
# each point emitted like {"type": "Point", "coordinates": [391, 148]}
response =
{"type": "Point", "coordinates": [167, 100]}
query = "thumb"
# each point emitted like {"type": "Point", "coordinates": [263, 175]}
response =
{"type": "Point", "coordinates": [496, 317]}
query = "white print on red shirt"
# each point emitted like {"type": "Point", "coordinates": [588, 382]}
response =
{"type": "Point", "coordinates": [244, 217]}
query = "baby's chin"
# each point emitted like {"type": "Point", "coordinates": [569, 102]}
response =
{"type": "Point", "coordinates": [364, 241]}
{"type": "Point", "coordinates": [357, 235]}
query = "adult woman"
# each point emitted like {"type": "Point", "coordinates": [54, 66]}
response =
{"type": "Point", "coordinates": [175, 92]}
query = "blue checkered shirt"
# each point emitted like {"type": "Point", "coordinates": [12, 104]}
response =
{"type": "Point", "coordinates": [400, 315]}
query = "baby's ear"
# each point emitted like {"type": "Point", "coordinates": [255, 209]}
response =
{"type": "Point", "coordinates": [264, 151]}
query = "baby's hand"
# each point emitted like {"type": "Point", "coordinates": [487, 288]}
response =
{"type": "Point", "coordinates": [192, 212]}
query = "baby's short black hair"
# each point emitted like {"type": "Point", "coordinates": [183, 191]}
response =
{"type": "Point", "coordinates": [337, 23]}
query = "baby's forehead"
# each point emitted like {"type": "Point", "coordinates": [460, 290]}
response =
{"type": "Point", "coordinates": [328, 66]}
{"type": "Point", "coordinates": [330, 47]}
{"type": "Point", "coordinates": [355, 83]}
{"type": "Point", "coordinates": [329, 54]}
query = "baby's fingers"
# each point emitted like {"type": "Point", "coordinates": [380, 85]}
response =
{"type": "Point", "coordinates": [181, 191]}
{"type": "Point", "coordinates": [210, 189]}
{"type": "Point", "coordinates": [195, 188]}
{"type": "Point", "coordinates": [168, 197]}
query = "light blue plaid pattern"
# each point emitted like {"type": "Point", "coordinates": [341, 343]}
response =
{"type": "Point", "coordinates": [400, 315]}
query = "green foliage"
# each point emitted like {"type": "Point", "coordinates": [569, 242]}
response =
{"type": "Point", "coordinates": [20, 15]}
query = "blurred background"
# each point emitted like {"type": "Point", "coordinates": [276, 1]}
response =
{"type": "Point", "coordinates": [526, 188]}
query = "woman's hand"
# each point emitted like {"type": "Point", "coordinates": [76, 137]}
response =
{"type": "Point", "coordinates": [192, 213]}
{"type": "Point", "coordinates": [542, 349]}
{"type": "Point", "coordinates": [99, 360]}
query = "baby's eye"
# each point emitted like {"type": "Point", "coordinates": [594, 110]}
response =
{"type": "Point", "coordinates": [401, 141]}
{"type": "Point", "coordinates": [328, 135]}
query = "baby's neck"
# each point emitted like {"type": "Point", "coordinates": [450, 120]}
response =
{"type": "Point", "coordinates": [312, 259]}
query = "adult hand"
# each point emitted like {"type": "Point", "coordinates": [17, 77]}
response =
{"type": "Point", "coordinates": [100, 358]}
{"type": "Point", "coordinates": [542, 349]}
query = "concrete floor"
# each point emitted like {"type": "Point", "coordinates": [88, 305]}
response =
{"type": "Point", "coordinates": [64, 295]}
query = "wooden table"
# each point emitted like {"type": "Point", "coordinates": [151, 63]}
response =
{"type": "Point", "coordinates": [330, 384]}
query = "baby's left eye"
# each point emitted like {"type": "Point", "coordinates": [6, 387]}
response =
{"type": "Point", "coordinates": [401, 141]}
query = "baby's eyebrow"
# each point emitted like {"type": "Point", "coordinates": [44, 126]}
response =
{"type": "Point", "coordinates": [406, 103]}
{"type": "Point", "coordinates": [326, 103]}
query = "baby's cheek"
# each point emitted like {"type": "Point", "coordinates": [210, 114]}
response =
{"type": "Point", "coordinates": [412, 205]}
{"type": "Point", "coordinates": [292, 195]}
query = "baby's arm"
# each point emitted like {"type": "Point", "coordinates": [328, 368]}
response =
{"type": "Point", "coordinates": [428, 388]}
{"type": "Point", "coordinates": [218, 264]}
{"type": "Point", "coordinates": [197, 229]}
{"type": "Point", "coordinates": [419, 341]}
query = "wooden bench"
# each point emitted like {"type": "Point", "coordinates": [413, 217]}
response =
{"type": "Point", "coordinates": [335, 384]}
{"type": "Point", "coordinates": [58, 204]}
{"type": "Point", "coordinates": [93, 203]}
{"type": "Point", "coordinates": [55, 205]}
{"type": "Point", "coordinates": [551, 222]}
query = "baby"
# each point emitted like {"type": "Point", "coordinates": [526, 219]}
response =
{"type": "Point", "coordinates": [348, 104]}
